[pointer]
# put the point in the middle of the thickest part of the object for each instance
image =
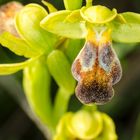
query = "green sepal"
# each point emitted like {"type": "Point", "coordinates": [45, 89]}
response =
{"type": "Point", "coordinates": [36, 82]}
{"type": "Point", "coordinates": [59, 24]}
{"type": "Point", "coordinates": [6, 69]}
{"type": "Point", "coordinates": [131, 17]}
{"type": "Point", "coordinates": [50, 7]}
{"type": "Point", "coordinates": [28, 26]}
{"type": "Point", "coordinates": [72, 5]}
{"type": "Point", "coordinates": [16, 45]}
{"type": "Point", "coordinates": [98, 14]}
{"type": "Point", "coordinates": [128, 32]}
{"type": "Point", "coordinates": [60, 69]}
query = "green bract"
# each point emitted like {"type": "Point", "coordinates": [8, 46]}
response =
{"type": "Point", "coordinates": [36, 83]}
{"type": "Point", "coordinates": [98, 14]}
{"type": "Point", "coordinates": [59, 68]}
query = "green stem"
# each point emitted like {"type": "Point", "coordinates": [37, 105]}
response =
{"type": "Point", "coordinates": [89, 3]}
{"type": "Point", "coordinates": [61, 104]}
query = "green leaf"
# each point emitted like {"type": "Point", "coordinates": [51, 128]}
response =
{"type": "Point", "coordinates": [28, 26]}
{"type": "Point", "coordinates": [72, 5]}
{"type": "Point", "coordinates": [6, 69]}
{"type": "Point", "coordinates": [51, 8]}
{"type": "Point", "coordinates": [36, 83]}
{"type": "Point", "coordinates": [128, 32]}
{"type": "Point", "coordinates": [58, 23]}
{"type": "Point", "coordinates": [16, 45]}
{"type": "Point", "coordinates": [98, 14]}
{"type": "Point", "coordinates": [60, 69]}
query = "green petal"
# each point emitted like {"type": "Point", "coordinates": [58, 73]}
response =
{"type": "Point", "coordinates": [128, 32]}
{"type": "Point", "coordinates": [36, 83]}
{"type": "Point", "coordinates": [16, 45]}
{"type": "Point", "coordinates": [72, 5]}
{"type": "Point", "coordinates": [58, 23]}
{"type": "Point", "coordinates": [6, 69]}
{"type": "Point", "coordinates": [28, 26]}
{"type": "Point", "coordinates": [98, 14]}
{"type": "Point", "coordinates": [60, 69]}
{"type": "Point", "coordinates": [50, 7]}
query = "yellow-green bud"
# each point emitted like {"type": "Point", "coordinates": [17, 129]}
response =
{"type": "Point", "coordinates": [85, 125]}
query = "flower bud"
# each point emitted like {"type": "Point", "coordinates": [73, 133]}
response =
{"type": "Point", "coordinates": [85, 125]}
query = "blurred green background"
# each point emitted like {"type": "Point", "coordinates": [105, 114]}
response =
{"type": "Point", "coordinates": [124, 108]}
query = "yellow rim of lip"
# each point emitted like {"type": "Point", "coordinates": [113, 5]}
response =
{"type": "Point", "coordinates": [89, 18]}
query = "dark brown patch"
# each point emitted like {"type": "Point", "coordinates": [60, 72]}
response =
{"type": "Point", "coordinates": [94, 92]}
{"type": "Point", "coordinates": [95, 87]}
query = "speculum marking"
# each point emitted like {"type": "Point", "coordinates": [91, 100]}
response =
{"type": "Point", "coordinates": [88, 56]}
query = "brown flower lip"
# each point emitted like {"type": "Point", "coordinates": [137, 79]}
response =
{"type": "Point", "coordinates": [97, 69]}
